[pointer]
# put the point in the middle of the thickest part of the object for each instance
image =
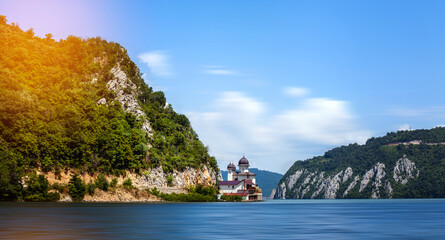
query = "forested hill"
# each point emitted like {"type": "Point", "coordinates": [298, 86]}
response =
{"type": "Point", "coordinates": [404, 164]}
{"type": "Point", "coordinates": [265, 179]}
{"type": "Point", "coordinates": [82, 105]}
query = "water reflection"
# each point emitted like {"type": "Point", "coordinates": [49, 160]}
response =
{"type": "Point", "coordinates": [288, 219]}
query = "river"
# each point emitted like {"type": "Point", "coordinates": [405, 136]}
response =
{"type": "Point", "coordinates": [272, 219]}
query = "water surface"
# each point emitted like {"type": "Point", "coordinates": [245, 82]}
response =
{"type": "Point", "coordinates": [273, 219]}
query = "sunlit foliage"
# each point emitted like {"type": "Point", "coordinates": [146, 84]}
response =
{"type": "Point", "coordinates": [50, 118]}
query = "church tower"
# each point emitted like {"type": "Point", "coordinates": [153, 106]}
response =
{"type": "Point", "coordinates": [243, 165]}
{"type": "Point", "coordinates": [230, 169]}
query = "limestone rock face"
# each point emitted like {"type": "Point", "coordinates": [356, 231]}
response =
{"type": "Point", "coordinates": [366, 178]}
{"type": "Point", "coordinates": [377, 184]}
{"type": "Point", "coordinates": [280, 192]}
{"type": "Point", "coordinates": [351, 185]}
{"type": "Point", "coordinates": [294, 178]}
{"type": "Point", "coordinates": [151, 178]}
{"type": "Point", "coordinates": [348, 174]}
{"type": "Point", "coordinates": [272, 194]}
{"type": "Point", "coordinates": [404, 170]}
{"type": "Point", "coordinates": [377, 180]}
{"type": "Point", "coordinates": [126, 92]}
{"type": "Point", "coordinates": [220, 177]}
{"type": "Point", "coordinates": [156, 177]}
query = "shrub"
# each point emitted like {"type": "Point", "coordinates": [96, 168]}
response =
{"type": "Point", "coordinates": [195, 194]}
{"type": "Point", "coordinates": [91, 187]}
{"type": "Point", "coordinates": [59, 187]}
{"type": "Point", "coordinates": [154, 191]}
{"type": "Point", "coordinates": [101, 182]}
{"type": "Point", "coordinates": [128, 184]}
{"type": "Point", "coordinates": [233, 198]}
{"type": "Point", "coordinates": [113, 183]}
{"type": "Point", "coordinates": [169, 180]}
{"type": "Point", "coordinates": [37, 190]}
{"type": "Point", "coordinates": [77, 188]}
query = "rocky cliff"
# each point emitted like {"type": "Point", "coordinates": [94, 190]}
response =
{"type": "Point", "coordinates": [377, 180]}
{"type": "Point", "coordinates": [407, 164]}
{"type": "Point", "coordinates": [148, 180]}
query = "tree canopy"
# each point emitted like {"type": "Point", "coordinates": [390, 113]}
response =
{"type": "Point", "coordinates": [50, 118]}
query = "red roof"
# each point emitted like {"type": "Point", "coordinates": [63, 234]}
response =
{"type": "Point", "coordinates": [237, 194]}
{"type": "Point", "coordinates": [230, 183]}
{"type": "Point", "coordinates": [248, 181]}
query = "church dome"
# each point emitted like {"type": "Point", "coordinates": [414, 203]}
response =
{"type": "Point", "coordinates": [231, 166]}
{"type": "Point", "coordinates": [243, 161]}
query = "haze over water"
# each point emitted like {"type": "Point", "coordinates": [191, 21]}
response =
{"type": "Point", "coordinates": [274, 219]}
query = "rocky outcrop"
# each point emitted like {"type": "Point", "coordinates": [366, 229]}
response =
{"type": "Point", "coordinates": [151, 178]}
{"type": "Point", "coordinates": [158, 178]}
{"type": "Point", "coordinates": [294, 178]}
{"type": "Point", "coordinates": [329, 186]}
{"type": "Point", "coordinates": [348, 174]}
{"type": "Point", "coordinates": [280, 192]}
{"type": "Point", "coordinates": [376, 182]}
{"type": "Point", "coordinates": [404, 170]}
{"type": "Point", "coordinates": [120, 195]}
{"type": "Point", "coordinates": [351, 185]}
{"type": "Point", "coordinates": [126, 92]}
{"type": "Point", "coordinates": [272, 194]}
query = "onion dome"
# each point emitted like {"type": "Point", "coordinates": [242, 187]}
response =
{"type": "Point", "coordinates": [243, 161]}
{"type": "Point", "coordinates": [231, 166]}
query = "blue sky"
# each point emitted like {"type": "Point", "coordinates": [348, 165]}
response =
{"type": "Point", "coordinates": [276, 80]}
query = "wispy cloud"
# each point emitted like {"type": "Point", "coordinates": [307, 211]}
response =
{"type": "Point", "coordinates": [218, 70]}
{"type": "Point", "coordinates": [242, 124]}
{"type": "Point", "coordinates": [296, 91]}
{"type": "Point", "coordinates": [158, 62]}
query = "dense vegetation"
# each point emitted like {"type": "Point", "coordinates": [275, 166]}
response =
{"type": "Point", "coordinates": [429, 159]}
{"type": "Point", "coordinates": [50, 119]}
{"type": "Point", "coordinates": [265, 179]}
{"type": "Point", "coordinates": [195, 194]}
{"type": "Point", "coordinates": [232, 198]}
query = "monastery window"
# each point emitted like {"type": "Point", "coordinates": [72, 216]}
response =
{"type": "Point", "coordinates": [233, 187]}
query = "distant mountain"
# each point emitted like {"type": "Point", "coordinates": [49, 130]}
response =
{"type": "Point", "coordinates": [404, 164]}
{"type": "Point", "coordinates": [265, 179]}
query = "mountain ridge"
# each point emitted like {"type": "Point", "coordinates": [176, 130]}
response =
{"type": "Point", "coordinates": [403, 164]}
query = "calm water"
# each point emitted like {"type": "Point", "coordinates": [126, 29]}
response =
{"type": "Point", "coordinates": [274, 219]}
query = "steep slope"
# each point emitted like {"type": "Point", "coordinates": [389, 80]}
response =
{"type": "Point", "coordinates": [406, 164]}
{"type": "Point", "coordinates": [81, 106]}
{"type": "Point", "coordinates": [265, 179]}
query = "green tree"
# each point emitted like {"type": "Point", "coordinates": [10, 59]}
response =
{"type": "Point", "coordinates": [101, 182]}
{"type": "Point", "coordinates": [77, 188]}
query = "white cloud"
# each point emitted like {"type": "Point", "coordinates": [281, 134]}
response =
{"type": "Point", "coordinates": [296, 91]}
{"type": "Point", "coordinates": [240, 124]}
{"type": "Point", "coordinates": [321, 121]}
{"type": "Point", "coordinates": [218, 70]}
{"type": "Point", "coordinates": [158, 62]}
